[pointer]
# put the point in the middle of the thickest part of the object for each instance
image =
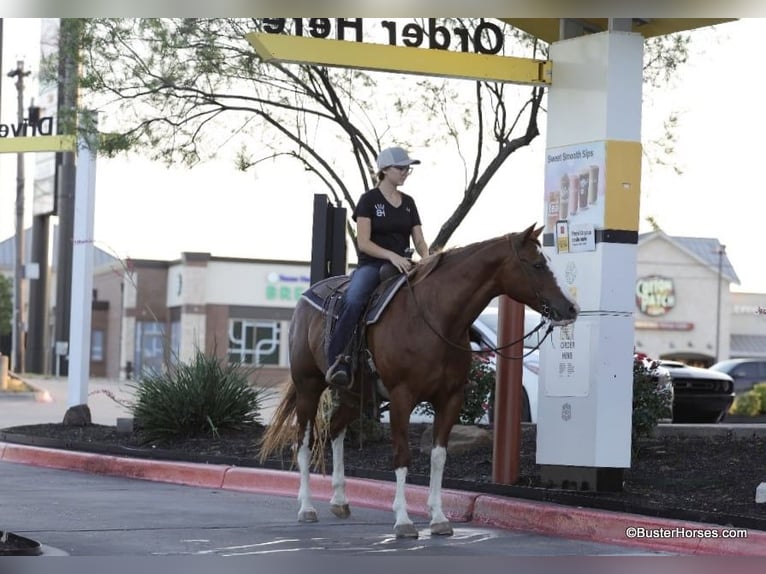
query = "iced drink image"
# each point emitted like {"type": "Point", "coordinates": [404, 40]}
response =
{"type": "Point", "coordinates": [592, 184]}
{"type": "Point", "coordinates": [583, 191]}
{"type": "Point", "coordinates": [564, 197]}
{"type": "Point", "coordinates": [552, 210]}
{"type": "Point", "coordinates": [574, 193]}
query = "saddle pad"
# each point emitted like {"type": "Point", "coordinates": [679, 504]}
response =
{"type": "Point", "coordinates": [318, 294]}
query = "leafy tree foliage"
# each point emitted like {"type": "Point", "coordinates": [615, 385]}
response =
{"type": "Point", "coordinates": [181, 89]}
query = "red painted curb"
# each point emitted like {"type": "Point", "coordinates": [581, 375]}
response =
{"type": "Point", "coordinates": [210, 476]}
{"type": "Point", "coordinates": [542, 517]}
{"type": "Point", "coordinates": [457, 506]}
{"type": "Point", "coordinates": [611, 527]}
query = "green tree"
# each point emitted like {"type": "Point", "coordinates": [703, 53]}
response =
{"type": "Point", "coordinates": [6, 305]}
{"type": "Point", "coordinates": [184, 88]}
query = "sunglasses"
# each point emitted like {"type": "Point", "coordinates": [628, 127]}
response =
{"type": "Point", "coordinates": [403, 168]}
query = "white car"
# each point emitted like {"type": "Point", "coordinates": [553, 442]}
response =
{"type": "Point", "coordinates": [483, 334]}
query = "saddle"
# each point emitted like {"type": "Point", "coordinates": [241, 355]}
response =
{"type": "Point", "coordinates": [326, 296]}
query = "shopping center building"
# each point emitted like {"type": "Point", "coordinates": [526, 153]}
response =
{"type": "Point", "coordinates": [149, 313]}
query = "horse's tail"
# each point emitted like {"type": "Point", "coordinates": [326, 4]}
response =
{"type": "Point", "coordinates": [281, 430]}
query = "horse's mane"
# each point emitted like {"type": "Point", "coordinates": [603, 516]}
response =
{"type": "Point", "coordinates": [427, 265]}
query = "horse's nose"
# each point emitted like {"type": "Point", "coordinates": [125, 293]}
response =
{"type": "Point", "coordinates": [574, 309]}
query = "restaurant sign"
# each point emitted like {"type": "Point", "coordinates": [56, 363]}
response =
{"type": "Point", "coordinates": [655, 295]}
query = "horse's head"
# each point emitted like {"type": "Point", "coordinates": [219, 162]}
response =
{"type": "Point", "coordinates": [532, 282]}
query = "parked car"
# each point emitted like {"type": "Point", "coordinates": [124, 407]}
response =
{"type": "Point", "coordinates": [483, 334]}
{"type": "Point", "coordinates": [745, 372]}
{"type": "Point", "coordinates": [700, 395]}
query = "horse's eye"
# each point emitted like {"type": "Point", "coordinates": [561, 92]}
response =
{"type": "Point", "coordinates": [538, 265]}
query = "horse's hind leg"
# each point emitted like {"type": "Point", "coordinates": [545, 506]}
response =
{"type": "Point", "coordinates": [342, 416]}
{"type": "Point", "coordinates": [305, 410]}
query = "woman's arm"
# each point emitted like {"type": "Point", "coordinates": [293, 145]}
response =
{"type": "Point", "coordinates": [420, 243]}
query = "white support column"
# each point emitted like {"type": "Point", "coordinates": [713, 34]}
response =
{"type": "Point", "coordinates": [592, 189]}
{"type": "Point", "coordinates": [82, 274]}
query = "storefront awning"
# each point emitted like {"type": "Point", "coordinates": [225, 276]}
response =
{"type": "Point", "coordinates": [747, 346]}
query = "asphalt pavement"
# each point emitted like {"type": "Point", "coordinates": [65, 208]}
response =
{"type": "Point", "coordinates": [83, 504]}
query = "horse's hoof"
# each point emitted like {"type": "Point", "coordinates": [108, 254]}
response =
{"type": "Point", "coordinates": [308, 516]}
{"type": "Point", "coordinates": [340, 510]}
{"type": "Point", "coordinates": [406, 531]}
{"type": "Point", "coordinates": [442, 529]}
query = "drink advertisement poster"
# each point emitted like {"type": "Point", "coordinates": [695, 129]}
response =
{"type": "Point", "coordinates": [575, 186]}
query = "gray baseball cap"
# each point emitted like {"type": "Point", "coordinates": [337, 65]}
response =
{"type": "Point", "coordinates": [394, 156]}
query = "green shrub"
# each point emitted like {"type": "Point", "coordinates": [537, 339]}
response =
{"type": "Point", "coordinates": [478, 392]}
{"type": "Point", "coordinates": [747, 404]}
{"type": "Point", "coordinates": [197, 398]}
{"type": "Point", "coordinates": [760, 390]}
{"type": "Point", "coordinates": [652, 398]}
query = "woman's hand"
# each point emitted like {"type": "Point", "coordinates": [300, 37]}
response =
{"type": "Point", "coordinates": [401, 263]}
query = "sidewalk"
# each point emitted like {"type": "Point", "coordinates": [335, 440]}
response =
{"type": "Point", "coordinates": [50, 401]}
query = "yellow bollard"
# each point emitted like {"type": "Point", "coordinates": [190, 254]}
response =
{"type": "Point", "coordinates": [3, 373]}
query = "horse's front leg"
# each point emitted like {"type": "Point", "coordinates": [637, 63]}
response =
{"type": "Point", "coordinates": [400, 418]}
{"type": "Point", "coordinates": [439, 523]}
{"type": "Point", "coordinates": [444, 420]}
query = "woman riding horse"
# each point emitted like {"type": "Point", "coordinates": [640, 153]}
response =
{"type": "Point", "coordinates": [420, 347]}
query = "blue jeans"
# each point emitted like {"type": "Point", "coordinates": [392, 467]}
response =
{"type": "Point", "coordinates": [363, 282]}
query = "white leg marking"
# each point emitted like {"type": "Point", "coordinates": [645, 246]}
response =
{"type": "Point", "coordinates": [304, 462]}
{"type": "Point", "coordinates": [438, 458]}
{"type": "Point", "coordinates": [338, 471]}
{"type": "Point", "coordinates": [400, 502]}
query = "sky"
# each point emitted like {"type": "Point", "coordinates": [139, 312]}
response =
{"type": "Point", "coordinates": [146, 210]}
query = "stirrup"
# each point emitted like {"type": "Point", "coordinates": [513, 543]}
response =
{"type": "Point", "coordinates": [339, 374]}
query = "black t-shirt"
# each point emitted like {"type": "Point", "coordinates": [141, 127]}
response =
{"type": "Point", "coordinates": [391, 226]}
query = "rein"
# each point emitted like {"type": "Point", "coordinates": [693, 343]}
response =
{"type": "Point", "coordinates": [483, 351]}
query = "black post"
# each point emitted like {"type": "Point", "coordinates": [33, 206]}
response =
{"type": "Point", "coordinates": [328, 245]}
{"type": "Point", "coordinates": [37, 338]}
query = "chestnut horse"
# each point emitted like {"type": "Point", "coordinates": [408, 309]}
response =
{"type": "Point", "coordinates": [421, 349]}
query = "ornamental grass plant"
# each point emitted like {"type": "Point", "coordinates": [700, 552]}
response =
{"type": "Point", "coordinates": [198, 398]}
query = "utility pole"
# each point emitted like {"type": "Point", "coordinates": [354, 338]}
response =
{"type": "Point", "coordinates": [721, 251]}
{"type": "Point", "coordinates": [65, 182]}
{"type": "Point", "coordinates": [18, 291]}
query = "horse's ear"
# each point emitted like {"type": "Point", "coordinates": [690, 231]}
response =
{"type": "Point", "coordinates": [530, 233]}
{"type": "Point", "coordinates": [538, 231]}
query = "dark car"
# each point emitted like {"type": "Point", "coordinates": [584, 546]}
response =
{"type": "Point", "coordinates": [745, 372]}
{"type": "Point", "coordinates": [699, 395]}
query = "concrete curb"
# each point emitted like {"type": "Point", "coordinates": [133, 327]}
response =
{"type": "Point", "coordinates": [594, 525]}
{"type": "Point", "coordinates": [203, 475]}
{"type": "Point", "coordinates": [544, 518]}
